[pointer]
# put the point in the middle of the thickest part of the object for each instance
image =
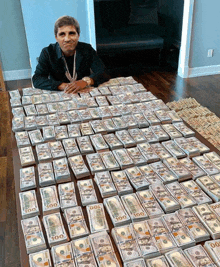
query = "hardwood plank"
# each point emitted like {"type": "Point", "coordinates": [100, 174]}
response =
{"type": "Point", "coordinates": [3, 177]}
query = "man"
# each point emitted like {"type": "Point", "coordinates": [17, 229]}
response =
{"type": "Point", "coordinates": [68, 65]}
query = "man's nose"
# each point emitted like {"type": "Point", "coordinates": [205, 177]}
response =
{"type": "Point", "coordinates": [67, 37]}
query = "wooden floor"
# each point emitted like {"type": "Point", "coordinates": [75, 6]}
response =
{"type": "Point", "coordinates": [164, 83]}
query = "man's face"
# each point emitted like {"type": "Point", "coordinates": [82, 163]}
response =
{"type": "Point", "coordinates": [68, 38]}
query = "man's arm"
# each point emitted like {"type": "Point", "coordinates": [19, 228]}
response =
{"type": "Point", "coordinates": [41, 77]}
{"type": "Point", "coordinates": [99, 72]}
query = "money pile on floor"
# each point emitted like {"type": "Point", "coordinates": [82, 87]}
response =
{"type": "Point", "coordinates": [113, 177]}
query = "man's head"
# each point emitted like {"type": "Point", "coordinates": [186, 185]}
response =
{"type": "Point", "coordinates": [67, 32]}
{"type": "Point", "coordinates": [66, 21]}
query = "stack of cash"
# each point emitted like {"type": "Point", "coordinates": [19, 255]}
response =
{"type": "Point", "coordinates": [85, 115]}
{"type": "Point", "coordinates": [148, 152]}
{"type": "Point", "coordinates": [130, 121]}
{"type": "Point", "coordinates": [112, 141]}
{"type": "Point", "coordinates": [150, 204]}
{"type": "Point", "coordinates": [74, 116]}
{"type": "Point", "coordinates": [174, 149]}
{"type": "Point", "coordinates": [99, 143]}
{"type": "Point", "coordinates": [102, 101]}
{"type": "Point", "coordinates": [206, 165]}
{"type": "Point", "coordinates": [125, 138]}
{"type": "Point", "coordinates": [180, 233]}
{"type": "Point", "coordinates": [95, 92]}
{"type": "Point", "coordinates": [213, 249]}
{"type": "Point", "coordinates": [78, 166]}
{"type": "Point", "coordinates": [73, 130]}
{"type": "Point", "coordinates": [198, 256]}
{"type": "Point", "coordinates": [14, 94]}
{"type": "Point", "coordinates": [76, 222]}
{"type": "Point", "coordinates": [52, 107]}
{"type": "Point", "coordinates": [185, 131]}
{"type": "Point", "coordinates": [127, 245]}
{"type": "Point", "coordinates": [216, 208]}
{"type": "Point", "coordinates": [50, 201]}
{"type": "Point", "coordinates": [109, 125]}
{"type": "Point", "coordinates": [135, 263]}
{"type": "Point", "coordinates": [109, 161]}
{"type": "Point", "coordinates": [163, 116]}
{"type": "Point", "coordinates": [177, 257]}
{"type": "Point", "coordinates": [27, 178]}
{"type": "Point", "coordinates": [196, 192]}
{"type": "Point", "coordinates": [164, 173]}
{"type": "Point", "coordinates": [87, 192]}
{"type": "Point", "coordinates": [160, 151]}
{"type": "Point", "coordinates": [164, 239]}
{"type": "Point", "coordinates": [63, 117]}
{"type": "Point", "coordinates": [42, 109]}
{"type": "Point", "coordinates": [123, 158]}
{"type": "Point", "coordinates": [144, 239]}
{"type": "Point", "coordinates": [174, 116]}
{"type": "Point", "coordinates": [116, 211]}
{"type": "Point", "coordinates": [141, 120]}
{"type": "Point", "coordinates": [97, 218]}
{"type": "Point", "coordinates": [28, 203]}
{"type": "Point", "coordinates": [55, 230]}
{"type": "Point", "coordinates": [198, 144]}
{"type": "Point", "coordinates": [193, 224]}
{"type": "Point", "coordinates": [83, 252]}
{"type": "Point", "coordinates": [124, 110]}
{"type": "Point", "coordinates": [61, 132]}
{"type": "Point", "coordinates": [18, 112]}
{"type": "Point", "coordinates": [26, 100]}
{"type": "Point", "coordinates": [61, 170]}
{"type": "Point", "coordinates": [157, 262]}
{"type": "Point", "coordinates": [134, 207]}
{"type": "Point", "coordinates": [121, 182]}
{"type": "Point", "coordinates": [192, 167]}
{"type": "Point", "coordinates": [95, 163]}
{"type": "Point", "coordinates": [178, 169]}
{"type": "Point", "coordinates": [63, 255]}
{"type": "Point", "coordinates": [161, 135]}
{"type": "Point", "coordinates": [86, 128]}
{"type": "Point", "coordinates": [104, 90]}
{"type": "Point", "coordinates": [53, 119]}
{"type": "Point", "coordinates": [41, 121]}
{"type": "Point", "coordinates": [43, 152]}
{"type": "Point", "coordinates": [18, 124]}
{"type": "Point", "coordinates": [150, 174]}
{"type": "Point", "coordinates": [67, 195]}
{"type": "Point", "coordinates": [45, 174]}
{"type": "Point", "coordinates": [26, 156]}
{"type": "Point", "coordinates": [70, 147]}
{"type": "Point", "coordinates": [214, 158]}
{"type": "Point", "coordinates": [22, 139]}
{"type": "Point", "coordinates": [48, 133]}
{"type": "Point", "coordinates": [103, 249]}
{"type": "Point", "coordinates": [185, 200]}
{"type": "Point", "coordinates": [137, 156]}
{"type": "Point", "coordinates": [56, 149]}
{"type": "Point", "coordinates": [114, 100]}
{"type": "Point", "coordinates": [189, 149]}
{"type": "Point", "coordinates": [33, 234]}
{"type": "Point", "coordinates": [84, 145]}
{"type": "Point", "coordinates": [35, 137]}
{"type": "Point", "coordinates": [151, 117]}
{"type": "Point", "coordinates": [30, 110]}
{"type": "Point", "coordinates": [165, 199]}
{"type": "Point", "coordinates": [209, 219]}
{"type": "Point", "coordinates": [105, 184]}
{"type": "Point", "coordinates": [41, 258]}
{"type": "Point", "coordinates": [137, 135]}
{"type": "Point", "coordinates": [105, 112]}
{"type": "Point", "coordinates": [137, 179]}
{"type": "Point", "coordinates": [211, 188]}
{"type": "Point", "coordinates": [98, 126]}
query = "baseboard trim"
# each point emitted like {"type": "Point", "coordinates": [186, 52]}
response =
{"type": "Point", "coordinates": [17, 75]}
{"type": "Point", "coordinates": [204, 71]}
{"type": "Point", "coordinates": [199, 71]}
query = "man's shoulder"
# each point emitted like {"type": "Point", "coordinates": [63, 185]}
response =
{"type": "Point", "coordinates": [82, 45]}
{"type": "Point", "coordinates": [50, 47]}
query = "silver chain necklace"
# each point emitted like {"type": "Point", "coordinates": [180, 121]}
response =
{"type": "Point", "coordinates": [67, 73]}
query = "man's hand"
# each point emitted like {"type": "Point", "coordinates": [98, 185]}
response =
{"type": "Point", "coordinates": [73, 87]}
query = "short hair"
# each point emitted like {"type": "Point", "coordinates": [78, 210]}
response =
{"type": "Point", "coordinates": [64, 21]}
